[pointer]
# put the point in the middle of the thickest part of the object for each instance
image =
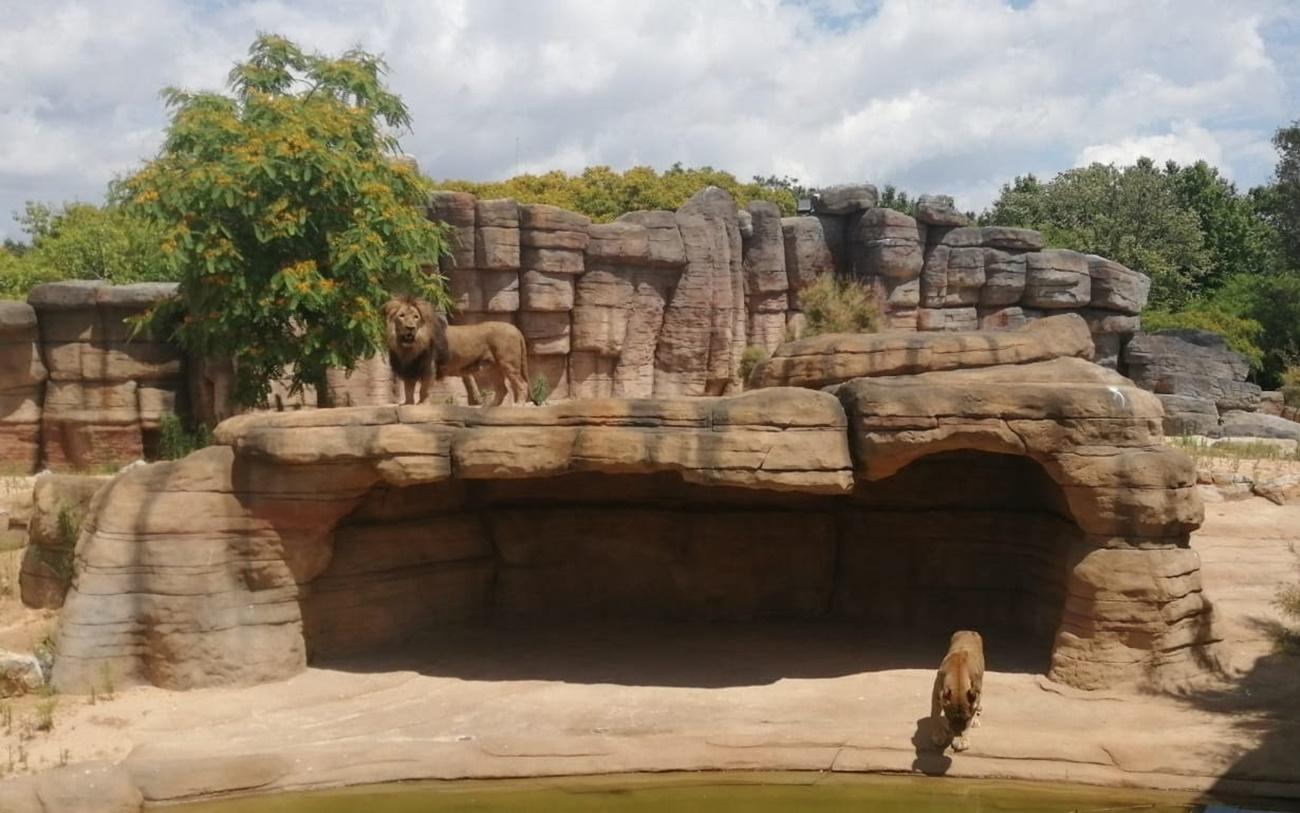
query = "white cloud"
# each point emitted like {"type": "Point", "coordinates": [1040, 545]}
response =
{"type": "Point", "coordinates": [1186, 143]}
{"type": "Point", "coordinates": [944, 96]}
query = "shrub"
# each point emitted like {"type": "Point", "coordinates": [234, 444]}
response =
{"type": "Point", "coordinates": [832, 305]}
{"type": "Point", "coordinates": [175, 441]}
{"type": "Point", "coordinates": [1241, 333]}
{"type": "Point", "coordinates": [540, 389]}
{"type": "Point", "coordinates": [750, 359]}
{"type": "Point", "coordinates": [603, 194]}
{"type": "Point", "coordinates": [1291, 386]}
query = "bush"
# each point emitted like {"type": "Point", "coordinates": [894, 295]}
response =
{"type": "Point", "coordinates": [1241, 333]}
{"type": "Point", "coordinates": [750, 359]}
{"type": "Point", "coordinates": [175, 441]}
{"type": "Point", "coordinates": [1291, 386]}
{"type": "Point", "coordinates": [603, 194]}
{"type": "Point", "coordinates": [831, 305]}
{"type": "Point", "coordinates": [540, 389]}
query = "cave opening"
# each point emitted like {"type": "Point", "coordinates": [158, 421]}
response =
{"type": "Point", "coordinates": [644, 578]}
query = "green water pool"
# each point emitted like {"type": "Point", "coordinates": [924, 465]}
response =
{"type": "Point", "coordinates": [725, 793]}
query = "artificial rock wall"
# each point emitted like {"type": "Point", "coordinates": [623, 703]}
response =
{"type": "Point", "coordinates": [348, 531]}
{"type": "Point", "coordinates": [662, 303]}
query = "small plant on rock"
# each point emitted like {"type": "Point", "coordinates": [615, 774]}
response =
{"type": "Point", "coordinates": [1291, 386]}
{"type": "Point", "coordinates": [175, 441]}
{"type": "Point", "coordinates": [749, 361]}
{"type": "Point", "coordinates": [540, 389]}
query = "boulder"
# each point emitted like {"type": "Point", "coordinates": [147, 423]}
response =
{"type": "Point", "coordinates": [1057, 278]}
{"type": "Point", "coordinates": [544, 217]}
{"type": "Point", "coordinates": [620, 241]}
{"type": "Point", "coordinates": [1004, 278]}
{"type": "Point", "coordinates": [1013, 239]}
{"type": "Point", "coordinates": [807, 254]}
{"type": "Point", "coordinates": [954, 319]}
{"type": "Point", "coordinates": [20, 673]}
{"type": "Point", "coordinates": [1008, 318]}
{"type": "Point", "coordinates": [887, 243]}
{"type": "Point", "coordinates": [764, 255]}
{"type": "Point", "coordinates": [1116, 288]}
{"type": "Point", "coordinates": [1187, 415]}
{"type": "Point", "coordinates": [459, 211]}
{"type": "Point", "coordinates": [496, 248]}
{"type": "Point", "coordinates": [831, 359]}
{"type": "Point", "coordinates": [22, 386]}
{"type": "Point", "coordinates": [663, 240]}
{"type": "Point", "coordinates": [546, 332]}
{"type": "Point", "coordinates": [939, 210]}
{"type": "Point", "coordinates": [543, 291]}
{"type": "Point", "coordinates": [703, 332]}
{"type": "Point", "coordinates": [845, 199]}
{"type": "Point", "coordinates": [497, 213]}
{"type": "Point", "coordinates": [1192, 363]}
{"type": "Point", "coordinates": [552, 260]}
{"type": "Point", "coordinates": [60, 504]}
{"type": "Point", "coordinates": [1238, 423]}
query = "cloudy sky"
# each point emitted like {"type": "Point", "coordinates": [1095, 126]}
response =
{"type": "Point", "coordinates": [953, 96]}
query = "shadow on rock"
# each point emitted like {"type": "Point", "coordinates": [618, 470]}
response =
{"type": "Point", "coordinates": [931, 759]}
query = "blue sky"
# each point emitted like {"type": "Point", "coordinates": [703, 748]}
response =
{"type": "Point", "coordinates": [937, 96]}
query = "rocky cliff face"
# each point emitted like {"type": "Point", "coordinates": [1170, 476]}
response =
{"type": "Point", "coordinates": [1029, 496]}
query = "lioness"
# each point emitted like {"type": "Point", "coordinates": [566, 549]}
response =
{"type": "Point", "coordinates": [958, 688]}
{"type": "Point", "coordinates": [422, 347]}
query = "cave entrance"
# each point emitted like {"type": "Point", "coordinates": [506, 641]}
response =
{"type": "Point", "coordinates": [674, 578]}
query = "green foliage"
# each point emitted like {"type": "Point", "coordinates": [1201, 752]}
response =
{"type": "Point", "coordinates": [68, 525]}
{"type": "Point", "coordinates": [892, 197]}
{"type": "Point", "coordinates": [1132, 215]}
{"type": "Point", "coordinates": [1291, 386]}
{"type": "Point", "coordinates": [175, 441]}
{"type": "Point", "coordinates": [1238, 240]}
{"type": "Point", "coordinates": [288, 215]}
{"type": "Point", "coordinates": [752, 356]}
{"type": "Point", "coordinates": [603, 194]}
{"type": "Point", "coordinates": [1281, 202]}
{"type": "Point", "coordinates": [540, 389]}
{"type": "Point", "coordinates": [832, 305]}
{"type": "Point", "coordinates": [1241, 333]}
{"type": "Point", "coordinates": [81, 241]}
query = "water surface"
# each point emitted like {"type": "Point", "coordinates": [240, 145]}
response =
{"type": "Point", "coordinates": [724, 793]}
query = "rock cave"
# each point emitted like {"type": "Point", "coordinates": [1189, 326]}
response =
{"type": "Point", "coordinates": [936, 481]}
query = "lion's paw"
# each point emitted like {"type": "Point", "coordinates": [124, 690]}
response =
{"type": "Point", "coordinates": [960, 743]}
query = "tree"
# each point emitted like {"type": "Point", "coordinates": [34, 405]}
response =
{"type": "Point", "coordinates": [1237, 239]}
{"type": "Point", "coordinates": [1131, 215]}
{"type": "Point", "coordinates": [288, 215]}
{"type": "Point", "coordinates": [603, 194]}
{"type": "Point", "coordinates": [892, 197]}
{"type": "Point", "coordinates": [83, 241]}
{"type": "Point", "coordinates": [1282, 201]}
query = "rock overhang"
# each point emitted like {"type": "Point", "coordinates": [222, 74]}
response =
{"type": "Point", "coordinates": [180, 560]}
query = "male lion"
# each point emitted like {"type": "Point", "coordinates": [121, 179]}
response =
{"type": "Point", "coordinates": [958, 688]}
{"type": "Point", "coordinates": [422, 347]}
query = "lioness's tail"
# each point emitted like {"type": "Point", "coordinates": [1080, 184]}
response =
{"type": "Point", "coordinates": [523, 363]}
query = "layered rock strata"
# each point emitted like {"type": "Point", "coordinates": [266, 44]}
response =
{"type": "Point", "coordinates": [22, 387]}
{"type": "Point", "coordinates": [1031, 498]}
{"type": "Point", "coordinates": [107, 389]}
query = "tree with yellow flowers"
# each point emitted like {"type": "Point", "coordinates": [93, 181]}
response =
{"type": "Point", "coordinates": [288, 216]}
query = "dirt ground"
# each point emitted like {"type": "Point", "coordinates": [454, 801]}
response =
{"type": "Point", "coordinates": [759, 696]}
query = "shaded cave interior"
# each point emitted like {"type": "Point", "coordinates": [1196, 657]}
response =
{"type": "Point", "coordinates": [466, 577]}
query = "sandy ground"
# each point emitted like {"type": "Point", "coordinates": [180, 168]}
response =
{"type": "Point", "coordinates": [808, 697]}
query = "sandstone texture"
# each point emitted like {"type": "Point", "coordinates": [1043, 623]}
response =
{"type": "Point", "coordinates": [107, 391]}
{"type": "Point", "coordinates": [1046, 495]}
{"type": "Point", "coordinates": [22, 386]}
{"type": "Point", "coordinates": [60, 503]}
{"type": "Point", "coordinates": [835, 358]}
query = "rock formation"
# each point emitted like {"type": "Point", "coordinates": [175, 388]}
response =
{"type": "Point", "coordinates": [1012, 486]}
{"type": "Point", "coordinates": [22, 386]}
{"type": "Point", "coordinates": [107, 389]}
